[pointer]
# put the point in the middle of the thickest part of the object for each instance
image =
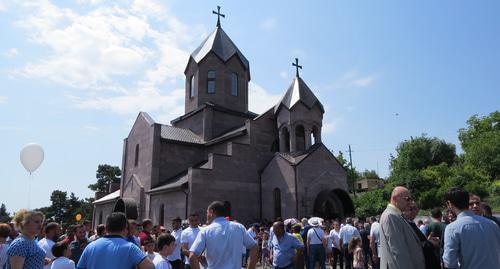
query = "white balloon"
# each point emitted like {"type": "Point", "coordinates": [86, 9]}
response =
{"type": "Point", "coordinates": [32, 156]}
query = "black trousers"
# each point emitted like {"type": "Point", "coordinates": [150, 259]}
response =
{"type": "Point", "coordinates": [347, 257]}
{"type": "Point", "coordinates": [338, 257]}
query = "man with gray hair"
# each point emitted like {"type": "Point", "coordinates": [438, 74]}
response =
{"type": "Point", "coordinates": [400, 246]}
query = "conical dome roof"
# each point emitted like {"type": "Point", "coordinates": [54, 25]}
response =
{"type": "Point", "coordinates": [298, 92]}
{"type": "Point", "coordinates": [219, 43]}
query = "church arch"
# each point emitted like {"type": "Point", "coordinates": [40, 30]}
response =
{"type": "Point", "coordinates": [136, 160]}
{"type": "Point", "coordinates": [316, 134]}
{"type": "Point", "coordinates": [100, 218]}
{"type": "Point", "coordinates": [234, 84]}
{"type": "Point", "coordinates": [161, 215]}
{"type": "Point", "coordinates": [285, 140]}
{"type": "Point", "coordinates": [211, 81]}
{"type": "Point", "coordinates": [330, 204]}
{"type": "Point", "coordinates": [227, 204]}
{"type": "Point", "coordinates": [300, 140]}
{"type": "Point", "coordinates": [192, 87]}
{"type": "Point", "coordinates": [277, 203]}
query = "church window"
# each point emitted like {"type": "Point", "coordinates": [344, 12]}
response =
{"type": "Point", "coordinates": [211, 81]}
{"type": "Point", "coordinates": [234, 84]}
{"type": "Point", "coordinates": [136, 161]}
{"type": "Point", "coordinates": [100, 217]}
{"type": "Point", "coordinates": [161, 216]}
{"type": "Point", "coordinates": [277, 203]}
{"type": "Point", "coordinates": [227, 204]}
{"type": "Point", "coordinates": [315, 135]}
{"type": "Point", "coordinates": [192, 87]}
{"type": "Point", "coordinates": [286, 140]}
{"type": "Point", "coordinates": [301, 138]}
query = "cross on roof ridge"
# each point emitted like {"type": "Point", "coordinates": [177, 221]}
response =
{"type": "Point", "coordinates": [297, 66]}
{"type": "Point", "coordinates": [218, 15]}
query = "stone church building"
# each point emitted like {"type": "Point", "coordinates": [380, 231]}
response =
{"type": "Point", "coordinates": [262, 166]}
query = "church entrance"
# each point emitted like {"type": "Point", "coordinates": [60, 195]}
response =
{"type": "Point", "coordinates": [330, 204]}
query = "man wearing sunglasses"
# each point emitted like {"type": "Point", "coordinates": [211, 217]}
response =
{"type": "Point", "coordinates": [400, 246]}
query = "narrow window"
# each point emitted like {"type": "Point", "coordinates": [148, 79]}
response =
{"type": "Point", "coordinates": [100, 217]}
{"type": "Point", "coordinates": [136, 161]}
{"type": "Point", "coordinates": [211, 81]}
{"type": "Point", "coordinates": [161, 216]}
{"type": "Point", "coordinates": [277, 203]}
{"type": "Point", "coordinates": [234, 84]}
{"type": "Point", "coordinates": [192, 87]}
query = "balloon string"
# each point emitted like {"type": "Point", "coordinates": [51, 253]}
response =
{"type": "Point", "coordinates": [29, 190]}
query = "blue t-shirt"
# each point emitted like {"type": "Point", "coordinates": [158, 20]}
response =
{"type": "Point", "coordinates": [110, 252]}
{"type": "Point", "coordinates": [34, 256]}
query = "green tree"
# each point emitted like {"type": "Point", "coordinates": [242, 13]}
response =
{"type": "Point", "coordinates": [371, 203]}
{"type": "Point", "coordinates": [105, 174]}
{"type": "Point", "coordinates": [58, 210]}
{"type": "Point", "coordinates": [4, 215]}
{"type": "Point", "coordinates": [480, 141]}
{"type": "Point", "coordinates": [369, 174]}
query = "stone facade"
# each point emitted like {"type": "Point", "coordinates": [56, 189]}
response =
{"type": "Point", "coordinates": [262, 166]}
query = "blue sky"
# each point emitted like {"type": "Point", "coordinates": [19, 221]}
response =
{"type": "Point", "coordinates": [74, 75]}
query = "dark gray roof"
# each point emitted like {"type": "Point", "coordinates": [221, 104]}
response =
{"type": "Point", "coordinates": [176, 183]}
{"type": "Point", "coordinates": [180, 134]}
{"type": "Point", "coordinates": [219, 43]}
{"type": "Point", "coordinates": [298, 91]}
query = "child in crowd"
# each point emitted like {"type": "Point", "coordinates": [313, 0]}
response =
{"type": "Point", "coordinates": [61, 251]}
{"type": "Point", "coordinates": [149, 248]}
{"type": "Point", "coordinates": [166, 246]}
{"type": "Point", "coordinates": [356, 249]}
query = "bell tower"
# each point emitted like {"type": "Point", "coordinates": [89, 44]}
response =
{"type": "Point", "coordinates": [217, 73]}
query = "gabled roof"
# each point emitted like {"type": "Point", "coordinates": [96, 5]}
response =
{"type": "Point", "coordinates": [180, 134]}
{"type": "Point", "coordinates": [110, 197]}
{"type": "Point", "coordinates": [298, 92]}
{"type": "Point", "coordinates": [219, 43]}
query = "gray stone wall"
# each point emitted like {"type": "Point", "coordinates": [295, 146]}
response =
{"type": "Point", "coordinates": [103, 208]}
{"type": "Point", "coordinates": [174, 204]}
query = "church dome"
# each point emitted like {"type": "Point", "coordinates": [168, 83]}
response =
{"type": "Point", "coordinates": [298, 92]}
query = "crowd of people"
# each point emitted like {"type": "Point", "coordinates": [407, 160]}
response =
{"type": "Point", "coordinates": [462, 235]}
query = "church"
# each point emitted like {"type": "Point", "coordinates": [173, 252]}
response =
{"type": "Point", "coordinates": [262, 166]}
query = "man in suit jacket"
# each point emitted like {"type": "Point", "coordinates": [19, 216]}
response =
{"type": "Point", "coordinates": [400, 247]}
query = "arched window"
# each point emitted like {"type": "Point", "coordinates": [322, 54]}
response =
{"type": "Point", "coordinates": [286, 140]}
{"type": "Point", "coordinates": [300, 138]}
{"type": "Point", "coordinates": [314, 135]}
{"type": "Point", "coordinates": [192, 86]}
{"type": "Point", "coordinates": [161, 216]}
{"type": "Point", "coordinates": [211, 81]}
{"type": "Point", "coordinates": [277, 203]}
{"type": "Point", "coordinates": [136, 161]}
{"type": "Point", "coordinates": [234, 84]}
{"type": "Point", "coordinates": [100, 217]}
{"type": "Point", "coordinates": [227, 204]}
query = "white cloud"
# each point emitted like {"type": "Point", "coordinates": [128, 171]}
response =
{"type": "Point", "coordinates": [3, 99]}
{"type": "Point", "coordinates": [269, 24]}
{"type": "Point", "coordinates": [329, 127]}
{"type": "Point", "coordinates": [12, 52]}
{"type": "Point", "coordinates": [284, 74]}
{"type": "Point", "coordinates": [3, 6]}
{"type": "Point", "coordinates": [260, 100]}
{"type": "Point", "coordinates": [352, 80]}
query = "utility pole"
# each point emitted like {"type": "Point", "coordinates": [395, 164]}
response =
{"type": "Point", "coordinates": [352, 172]}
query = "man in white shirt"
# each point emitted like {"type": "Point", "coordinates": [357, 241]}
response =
{"type": "Point", "coordinates": [222, 241]}
{"type": "Point", "coordinates": [175, 258]}
{"type": "Point", "coordinates": [189, 235]}
{"type": "Point", "coordinates": [375, 242]}
{"type": "Point", "coordinates": [338, 256]}
{"type": "Point", "coordinates": [316, 242]}
{"type": "Point", "coordinates": [52, 232]}
{"type": "Point", "coordinates": [346, 234]}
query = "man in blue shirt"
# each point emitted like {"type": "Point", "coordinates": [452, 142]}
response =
{"type": "Point", "coordinates": [471, 241]}
{"type": "Point", "coordinates": [113, 251]}
{"type": "Point", "coordinates": [285, 248]}
{"type": "Point", "coordinates": [222, 242]}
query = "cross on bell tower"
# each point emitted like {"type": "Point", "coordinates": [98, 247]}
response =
{"type": "Point", "coordinates": [297, 66]}
{"type": "Point", "coordinates": [218, 15]}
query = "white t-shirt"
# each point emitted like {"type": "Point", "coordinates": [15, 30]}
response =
{"type": "Point", "coordinates": [152, 256]}
{"type": "Point", "coordinates": [161, 263]}
{"type": "Point", "coordinates": [334, 239]}
{"type": "Point", "coordinates": [3, 254]}
{"type": "Point", "coordinates": [46, 245]}
{"type": "Point", "coordinates": [313, 238]}
{"type": "Point", "coordinates": [62, 263]}
{"type": "Point", "coordinates": [188, 236]}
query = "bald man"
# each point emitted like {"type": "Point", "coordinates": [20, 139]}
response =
{"type": "Point", "coordinates": [400, 247]}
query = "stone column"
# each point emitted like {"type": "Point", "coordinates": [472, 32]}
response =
{"type": "Point", "coordinates": [308, 138]}
{"type": "Point", "coordinates": [317, 136]}
{"type": "Point", "coordinates": [282, 141]}
{"type": "Point", "coordinates": [293, 139]}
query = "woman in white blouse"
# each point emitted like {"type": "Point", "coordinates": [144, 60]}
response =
{"type": "Point", "coordinates": [62, 253]}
